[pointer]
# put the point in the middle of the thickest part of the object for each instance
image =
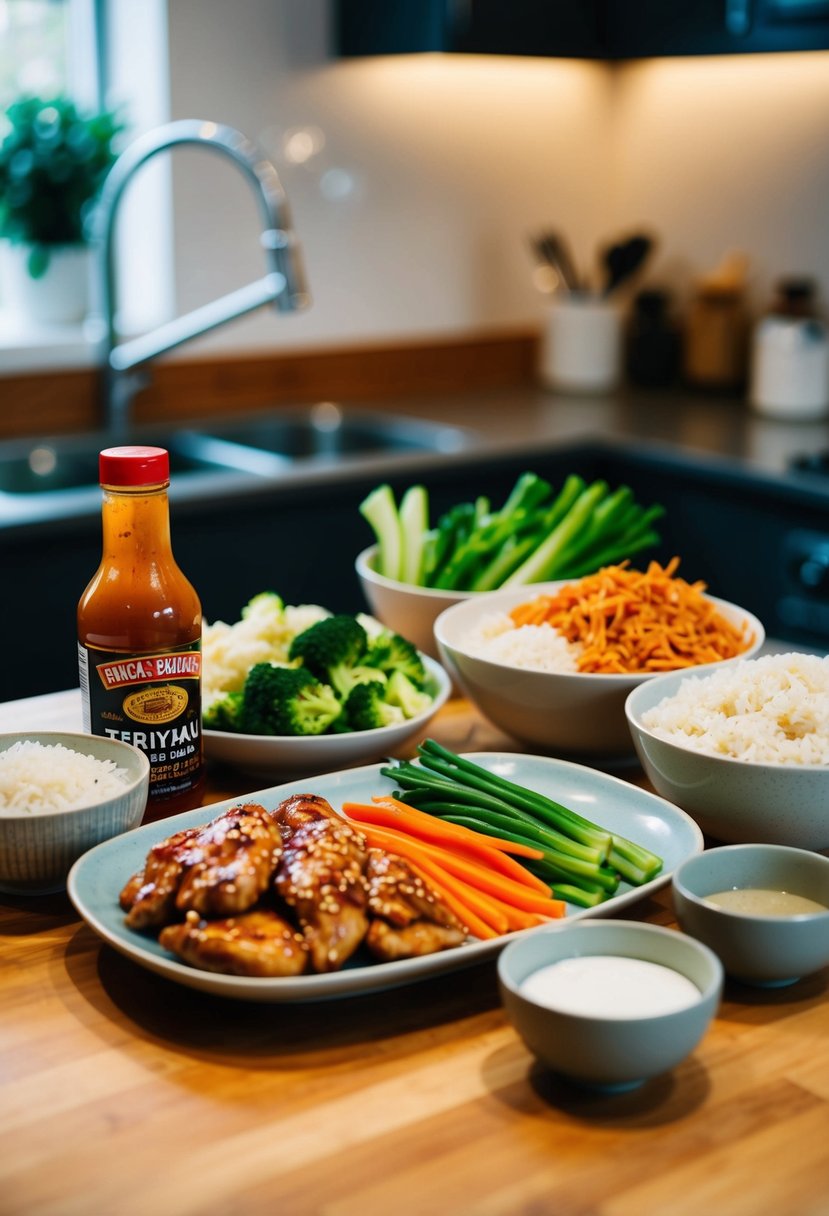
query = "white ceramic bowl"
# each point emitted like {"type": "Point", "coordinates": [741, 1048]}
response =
{"type": "Point", "coordinates": [563, 712]}
{"type": "Point", "coordinates": [609, 1052]}
{"type": "Point", "coordinates": [267, 756]}
{"type": "Point", "coordinates": [765, 951]}
{"type": "Point", "coordinates": [409, 611]}
{"type": "Point", "coordinates": [38, 848]}
{"type": "Point", "coordinates": [734, 801]}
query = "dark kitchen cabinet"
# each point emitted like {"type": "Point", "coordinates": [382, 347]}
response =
{"type": "Point", "coordinates": [608, 30]}
{"type": "Point", "coordinates": [301, 540]}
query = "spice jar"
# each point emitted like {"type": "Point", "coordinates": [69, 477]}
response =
{"type": "Point", "coordinates": [139, 633]}
{"type": "Point", "coordinates": [653, 341]}
{"type": "Point", "coordinates": [790, 355]}
{"type": "Point", "coordinates": [715, 354]}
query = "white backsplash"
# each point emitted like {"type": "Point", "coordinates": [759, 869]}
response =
{"type": "Point", "coordinates": [428, 172]}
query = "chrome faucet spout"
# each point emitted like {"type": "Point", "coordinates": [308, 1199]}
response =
{"type": "Point", "coordinates": [283, 285]}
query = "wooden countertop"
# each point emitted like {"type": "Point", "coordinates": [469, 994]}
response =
{"type": "Point", "coordinates": [123, 1093]}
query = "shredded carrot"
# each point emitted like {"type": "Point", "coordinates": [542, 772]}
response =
{"type": "Point", "coordinates": [637, 621]}
{"type": "Point", "coordinates": [427, 828]}
{"type": "Point", "coordinates": [504, 889]}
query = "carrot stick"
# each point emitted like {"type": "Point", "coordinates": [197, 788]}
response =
{"type": "Point", "coordinates": [474, 901]}
{"type": "Point", "coordinates": [456, 831]}
{"type": "Point", "coordinates": [490, 884]}
{"type": "Point", "coordinates": [526, 920]}
{"type": "Point", "coordinates": [499, 916]}
{"type": "Point", "coordinates": [468, 899]}
{"type": "Point", "coordinates": [474, 924]}
{"type": "Point", "coordinates": [428, 828]}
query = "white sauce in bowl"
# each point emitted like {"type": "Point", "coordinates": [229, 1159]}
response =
{"type": "Point", "coordinates": [607, 986]}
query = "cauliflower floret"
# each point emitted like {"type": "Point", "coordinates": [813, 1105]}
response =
{"type": "Point", "coordinates": [262, 635]}
{"type": "Point", "coordinates": [299, 617]}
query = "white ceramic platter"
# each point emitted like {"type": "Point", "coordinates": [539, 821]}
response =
{"type": "Point", "coordinates": [269, 756]}
{"type": "Point", "coordinates": [97, 878]}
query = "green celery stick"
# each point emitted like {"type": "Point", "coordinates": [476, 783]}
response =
{"type": "Point", "coordinates": [414, 527]}
{"type": "Point", "coordinates": [380, 510]}
{"type": "Point", "coordinates": [534, 526]}
{"type": "Point", "coordinates": [536, 568]}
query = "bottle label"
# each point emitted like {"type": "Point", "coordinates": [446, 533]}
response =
{"type": "Point", "coordinates": [152, 701]}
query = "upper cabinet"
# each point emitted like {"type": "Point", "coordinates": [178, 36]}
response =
{"type": "Point", "coordinates": [580, 29]}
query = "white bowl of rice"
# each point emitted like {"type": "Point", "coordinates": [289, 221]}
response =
{"type": "Point", "coordinates": [525, 679]}
{"type": "Point", "coordinates": [743, 748]}
{"type": "Point", "coordinates": [60, 794]}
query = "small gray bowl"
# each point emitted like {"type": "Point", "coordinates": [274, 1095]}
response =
{"type": "Point", "coordinates": [38, 848]}
{"type": "Point", "coordinates": [764, 951]}
{"type": "Point", "coordinates": [609, 1053]}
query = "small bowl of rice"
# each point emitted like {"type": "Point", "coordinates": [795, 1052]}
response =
{"type": "Point", "coordinates": [743, 748]}
{"type": "Point", "coordinates": [546, 663]}
{"type": "Point", "coordinates": [60, 794]}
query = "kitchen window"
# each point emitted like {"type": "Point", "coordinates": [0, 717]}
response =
{"type": "Point", "coordinates": [101, 53]}
{"type": "Point", "coordinates": [48, 48]}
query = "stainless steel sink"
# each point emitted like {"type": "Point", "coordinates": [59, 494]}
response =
{"type": "Point", "coordinates": [326, 432]}
{"type": "Point", "coordinates": [45, 475]}
{"type": "Point", "coordinates": [52, 466]}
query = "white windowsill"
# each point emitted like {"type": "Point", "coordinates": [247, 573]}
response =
{"type": "Point", "coordinates": [30, 348]}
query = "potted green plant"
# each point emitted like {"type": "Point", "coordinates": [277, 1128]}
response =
{"type": "Point", "coordinates": [53, 161]}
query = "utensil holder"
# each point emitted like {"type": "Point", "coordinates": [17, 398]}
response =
{"type": "Point", "coordinates": [581, 349]}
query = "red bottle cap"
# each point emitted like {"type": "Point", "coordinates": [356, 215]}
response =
{"type": "Point", "coordinates": [134, 466]}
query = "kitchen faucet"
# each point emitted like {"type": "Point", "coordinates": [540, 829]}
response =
{"type": "Point", "coordinates": [283, 285]}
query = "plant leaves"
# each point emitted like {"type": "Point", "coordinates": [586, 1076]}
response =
{"type": "Point", "coordinates": [38, 261]}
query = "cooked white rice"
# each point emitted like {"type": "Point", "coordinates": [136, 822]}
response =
{"type": "Point", "coordinates": [533, 647]}
{"type": "Point", "coordinates": [771, 710]}
{"type": "Point", "coordinates": [51, 777]}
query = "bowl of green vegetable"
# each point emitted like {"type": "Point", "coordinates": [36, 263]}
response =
{"type": "Point", "coordinates": [404, 607]}
{"type": "Point", "coordinates": [298, 689]}
{"type": "Point", "coordinates": [418, 567]}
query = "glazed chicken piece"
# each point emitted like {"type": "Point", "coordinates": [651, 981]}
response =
{"type": "Point", "coordinates": [410, 919]}
{"type": "Point", "coordinates": [321, 878]}
{"type": "Point", "coordinates": [217, 869]}
{"type": "Point", "coordinates": [131, 888]}
{"type": "Point", "coordinates": [230, 863]}
{"type": "Point", "coordinates": [259, 943]}
{"type": "Point", "coordinates": [300, 809]}
{"type": "Point", "coordinates": [421, 937]}
{"type": "Point", "coordinates": [149, 897]}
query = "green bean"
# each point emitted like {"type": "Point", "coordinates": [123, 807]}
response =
{"type": "Point", "coordinates": [513, 825]}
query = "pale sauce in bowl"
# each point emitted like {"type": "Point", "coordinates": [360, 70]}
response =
{"type": "Point", "coordinates": [610, 986]}
{"type": "Point", "coordinates": [760, 901]}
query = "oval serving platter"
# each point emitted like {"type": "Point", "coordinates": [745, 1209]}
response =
{"type": "Point", "coordinates": [96, 879]}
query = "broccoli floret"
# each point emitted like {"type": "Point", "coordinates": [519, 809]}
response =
{"type": "Point", "coordinates": [286, 701]}
{"type": "Point", "coordinates": [223, 712]}
{"type": "Point", "coordinates": [332, 649]}
{"type": "Point", "coordinates": [401, 691]}
{"type": "Point", "coordinates": [390, 652]}
{"type": "Point", "coordinates": [366, 709]}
